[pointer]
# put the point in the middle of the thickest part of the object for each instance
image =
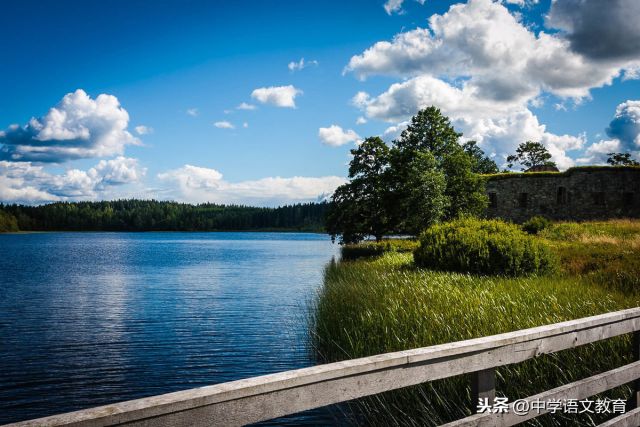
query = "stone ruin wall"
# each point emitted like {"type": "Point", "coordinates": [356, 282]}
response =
{"type": "Point", "coordinates": [578, 194]}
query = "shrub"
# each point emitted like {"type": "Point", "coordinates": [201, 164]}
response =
{"type": "Point", "coordinates": [482, 247]}
{"type": "Point", "coordinates": [536, 224]}
{"type": "Point", "coordinates": [372, 249]}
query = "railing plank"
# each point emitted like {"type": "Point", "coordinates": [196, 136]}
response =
{"type": "Point", "coordinates": [576, 390]}
{"type": "Point", "coordinates": [271, 396]}
{"type": "Point", "coordinates": [630, 419]}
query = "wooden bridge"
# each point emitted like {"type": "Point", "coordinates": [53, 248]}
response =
{"type": "Point", "coordinates": [271, 396]}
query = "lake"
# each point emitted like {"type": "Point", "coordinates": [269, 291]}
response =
{"type": "Point", "coordinates": [88, 319]}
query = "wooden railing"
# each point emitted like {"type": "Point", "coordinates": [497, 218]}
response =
{"type": "Point", "coordinates": [271, 396]}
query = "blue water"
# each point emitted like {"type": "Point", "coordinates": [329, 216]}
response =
{"type": "Point", "coordinates": [88, 319]}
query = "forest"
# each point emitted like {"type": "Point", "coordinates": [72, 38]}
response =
{"type": "Point", "coordinates": [152, 215]}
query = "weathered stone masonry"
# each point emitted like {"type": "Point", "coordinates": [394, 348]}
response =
{"type": "Point", "coordinates": [583, 193]}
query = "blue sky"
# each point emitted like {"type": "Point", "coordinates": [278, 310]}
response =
{"type": "Point", "coordinates": [140, 98]}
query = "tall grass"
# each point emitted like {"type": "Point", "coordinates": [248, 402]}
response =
{"type": "Point", "coordinates": [387, 304]}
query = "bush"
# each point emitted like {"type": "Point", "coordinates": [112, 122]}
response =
{"type": "Point", "coordinates": [372, 249]}
{"type": "Point", "coordinates": [536, 224]}
{"type": "Point", "coordinates": [482, 247]}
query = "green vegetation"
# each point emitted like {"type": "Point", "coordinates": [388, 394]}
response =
{"type": "Point", "coordinates": [387, 303]}
{"type": "Point", "coordinates": [8, 222]}
{"type": "Point", "coordinates": [151, 215]}
{"type": "Point", "coordinates": [536, 224]}
{"type": "Point", "coordinates": [371, 249]}
{"type": "Point", "coordinates": [477, 246]}
{"type": "Point", "coordinates": [425, 176]}
{"type": "Point", "coordinates": [604, 253]}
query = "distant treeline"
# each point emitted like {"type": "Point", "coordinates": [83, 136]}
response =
{"type": "Point", "coordinates": [152, 215]}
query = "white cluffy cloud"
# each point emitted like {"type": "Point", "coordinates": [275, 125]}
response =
{"type": "Point", "coordinates": [24, 182]}
{"type": "Point", "coordinates": [484, 68]}
{"type": "Point", "coordinates": [77, 127]}
{"type": "Point", "coordinates": [196, 184]}
{"type": "Point", "coordinates": [193, 112]}
{"type": "Point", "coordinates": [224, 125]}
{"type": "Point", "coordinates": [280, 96]}
{"type": "Point", "coordinates": [301, 64]}
{"type": "Point", "coordinates": [335, 136]}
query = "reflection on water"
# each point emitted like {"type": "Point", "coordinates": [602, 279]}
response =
{"type": "Point", "coordinates": [88, 319]}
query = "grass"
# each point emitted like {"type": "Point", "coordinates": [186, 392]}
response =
{"type": "Point", "coordinates": [383, 304]}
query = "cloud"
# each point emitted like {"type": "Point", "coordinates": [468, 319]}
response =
{"type": "Point", "coordinates": [77, 127]}
{"type": "Point", "coordinates": [498, 128]}
{"type": "Point", "coordinates": [597, 30]}
{"type": "Point", "coordinates": [487, 47]}
{"type": "Point", "coordinates": [393, 132]}
{"type": "Point", "coordinates": [395, 6]}
{"type": "Point", "coordinates": [625, 126]}
{"type": "Point", "coordinates": [300, 65]}
{"type": "Point", "coordinates": [335, 136]}
{"type": "Point", "coordinates": [484, 68]}
{"type": "Point", "coordinates": [280, 96]}
{"type": "Point", "coordinates": [597, 153]}
{"type": "Point", "coordinates": [24, 182]}
{"type": "Point", "coordinates": [245, 125]}
{"type": "Point", "coordinates": [361, 120]}
{"type": "Point", "coordinates": [623, 132]}
{"type": "Point", "coordinates": [143, 130]}
{"type": "Point", "coordinates": [196, 184]}
{"type": "Point", "coordinates": [193, 112]}
{"type": "Point", "coordinates": [224, 125]}
{"type": "Point", "coordinates": [246, 106]}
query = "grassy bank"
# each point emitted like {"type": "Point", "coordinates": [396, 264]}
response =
{"type": "Point", "coordinates": [383, 304]}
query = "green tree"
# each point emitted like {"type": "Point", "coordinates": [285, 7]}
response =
{"type": "Point", "coordinates": [359, 208]}
{"type": "Point", "coordinates": [423, 200]}
{"type": "Point", "coordinates": [530, 154]}
{"type": "Point", "coordinates": [431, 132]}
{"type": "Point", "coordinates": [465, 189]}
{"type": "Point", "coordinates": [480, 163]}
{"type": "Point", "coordinates": [621, 159]}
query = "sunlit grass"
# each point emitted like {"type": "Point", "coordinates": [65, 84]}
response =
{"type": "Point", "coordinates": [385, 304]}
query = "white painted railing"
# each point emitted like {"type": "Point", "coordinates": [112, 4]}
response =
{"type": "Point", "coordinates": [271, 396]}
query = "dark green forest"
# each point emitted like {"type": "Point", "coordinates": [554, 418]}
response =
{"type": "Point", "coordinates": [152, 215]}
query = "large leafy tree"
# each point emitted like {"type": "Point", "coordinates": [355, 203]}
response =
{"type": "Point", "coordinates": [431, 132]}
{"type": "Point", "coordinates": [530, 154]}
{"type": "Point", "coordinates": [425, 177]}
{"type": "Point", "coordinates": [359, 208]}
{"type": "Point", "coordinates": [621, 159]}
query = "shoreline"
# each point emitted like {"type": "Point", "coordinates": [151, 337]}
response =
{"type": "Point", "coordinates": [268, 230]}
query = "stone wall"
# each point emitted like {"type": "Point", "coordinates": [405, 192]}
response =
{"type": "Point", "coordinates": [583, 193]}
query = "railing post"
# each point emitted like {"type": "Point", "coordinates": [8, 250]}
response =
{"type": "Point", "coordinates": [483, 386]}
{"type": "Point", "coordinates": [635, 396]}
